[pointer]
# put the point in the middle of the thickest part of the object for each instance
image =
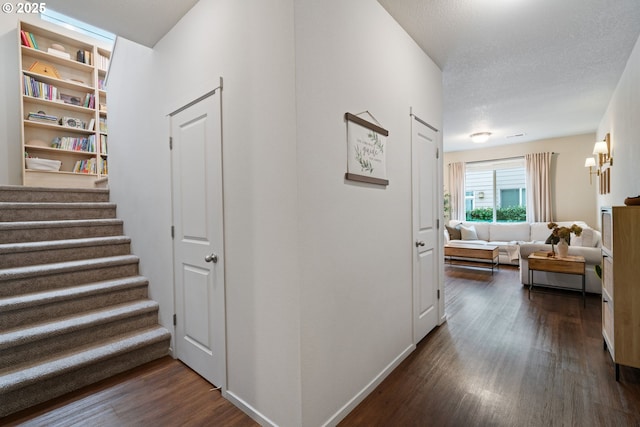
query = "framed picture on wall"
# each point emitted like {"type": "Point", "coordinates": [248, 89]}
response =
{"type": "Point", "coordinates": [366, 151]}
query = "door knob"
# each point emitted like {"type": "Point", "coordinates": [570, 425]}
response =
{"type": "Point", "coordinates": [211, 258]}
{"type": "Point", "coordinates": [419, 243]}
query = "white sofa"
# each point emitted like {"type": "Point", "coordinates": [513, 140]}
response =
{"type": "Point", "coordinates": [505, 235]}
{"type": "Point", "coordinates": [516, 241]}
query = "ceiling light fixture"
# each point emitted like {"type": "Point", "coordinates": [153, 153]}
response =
{"type": "Point", "coordinates": [480, 137]}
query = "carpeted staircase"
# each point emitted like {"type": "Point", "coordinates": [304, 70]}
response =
{"type": "Point", "coordinates": [73, 308]}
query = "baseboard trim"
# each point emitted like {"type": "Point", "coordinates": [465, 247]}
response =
{"type": "Point", "coordinates": [247, 409]}
{"type": "Point", "coordinates": [375, 382]}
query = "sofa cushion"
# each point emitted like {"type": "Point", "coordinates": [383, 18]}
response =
{"type": "Point", "coordinates": [509, 231]}
{"type": "Point", "coordinates": [482, 228]}
{"type": "Point", "coordinates": [587, 238]}
{"type": "Point", "coordinates": [468, 233]}
{"type": "Point", "coordinates": [454, 232]}
{"type": "Point", "coordinates": [539, 231]}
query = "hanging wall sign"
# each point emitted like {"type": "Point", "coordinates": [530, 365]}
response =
{"type": "Point", "coordinates": [366, 151]}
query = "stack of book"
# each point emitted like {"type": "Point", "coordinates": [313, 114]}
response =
{"type": "Point", "coordinates": [42, 117]}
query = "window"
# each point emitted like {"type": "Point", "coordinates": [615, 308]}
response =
{"type": "Point", "coordinates": [495, 191]}
{"type": "Point", "coordinates": [76, 25]}
{"type": "Point", "coordinates": [468, 201]}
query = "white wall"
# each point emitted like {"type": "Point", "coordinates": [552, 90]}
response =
{"type": "Point", "coordinates": [573, 198]}
{"type": "Point", "coordinates": [355, 239]}
{"type": "Point", "coordinates": [10, 144]}
{"type": "Point", "coordinates": [139, 175]}
{"type": "Point", "coordinates": [621, 121]}
{"type": "Point", "coordinates": [318, 269]}
{"type": "Point", "coordinates": [251, 45]}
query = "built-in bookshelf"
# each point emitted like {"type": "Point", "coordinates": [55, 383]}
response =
{"type": "Point", "coordinates": [64, 109]}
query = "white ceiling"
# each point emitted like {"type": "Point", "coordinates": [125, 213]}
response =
{"type": "Point", "coordinates": [545, 68]}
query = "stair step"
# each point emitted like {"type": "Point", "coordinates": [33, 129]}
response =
{"type": "Point", "coordinates": [37, 231]}
{"type": "Point", "coordinates": [46, 277]}
{"type": "Point", "coordinates": [22, 310]}
{"type": "Point", "coordinates": [13, 211]}
{"type": "Point", "coordinates": [51, 337]}
{"type": "Point", "coordinates": [61, 374]}
{"type": "Point", "coordinates": [73, 308]}
{"type": "Point", "coordinates": [31, 253]}
{"type": "Point", "coordinates": [14, 193]}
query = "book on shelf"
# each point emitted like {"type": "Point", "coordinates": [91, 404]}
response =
{"type": "Point", "coordinates": [84, 56]}
{"type": "Point", "coordinates": [24, 39]}
{"type": "Point", "coordinates": [41, 116]}
{"type": "Point", "coordinates": [28, 39]}
{"type": "Point", "coordinates": [103, 125]}
{"type": "Point", "coordinates": [91, 124]}
{"type": "Point", "coordinates": [89, 101]}
{"type": "Point", "coordinates": [34, 44]}
{"type": "Point", "coordinates": [85, 166]}
{"type": "Point", "coordinates": [38, 89]}
{"type": "Point", "coordinates": [104, 169]}
{"type": "Point", "coordinates": [86, 144]}
{"type": "Point", "coordinates": [104, 147]}
{"type": "Point", "coordinates": [103, 62]}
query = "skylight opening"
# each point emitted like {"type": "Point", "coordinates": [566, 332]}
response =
{"type": "Point", "coordinates": [78, 26]}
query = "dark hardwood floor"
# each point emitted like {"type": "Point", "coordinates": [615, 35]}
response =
{"type": "Point", "coordinates": [499, 360]}
{"type": "Point", "coordinates": [504, 360]}
{"type": "Point", "coordinates": [160, 393]}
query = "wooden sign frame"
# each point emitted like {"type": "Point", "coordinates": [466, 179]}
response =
{"type": "Point", "coordinates": [366, 155]}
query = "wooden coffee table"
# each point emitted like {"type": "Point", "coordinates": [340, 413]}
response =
{"type": "Point", "coordinates": [487, 255]}
{"type": "Point", "coordinates": [540, 261]}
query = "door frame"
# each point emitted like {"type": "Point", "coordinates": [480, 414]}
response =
{"type": "Point", "coordinates": [223, 383]}
{"type": "Point", "coordinates": [439, 242]}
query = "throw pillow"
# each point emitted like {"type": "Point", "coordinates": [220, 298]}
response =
{"type": "Point", "coordinates": [454, 232]}
{"type": "Point", "coordinates": [555, 240]}
{"type": "Point", "coordinates": [468, 233]}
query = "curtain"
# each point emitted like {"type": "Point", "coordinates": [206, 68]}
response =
{"type": "Point", "coordinates": [537, 167]}
{"type": "Point", "coordinates": [456, 190]}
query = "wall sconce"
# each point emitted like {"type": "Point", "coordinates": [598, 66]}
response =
{"type": "Point", "coordinates": [603, 150]}
{"type": "Point", "coordinates": [590, 162]}
{"type": "Point", "coordinates": [481, 195]}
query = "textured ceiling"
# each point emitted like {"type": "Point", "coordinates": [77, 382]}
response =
{"type": "Point", "coordinates": [545, 68]}
{"type": "Point", "coordinates": [142, 21]}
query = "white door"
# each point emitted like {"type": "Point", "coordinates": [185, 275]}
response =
{"type": "Point", "coordinates": [196, 161]}
{"type": "Point", "coordinates": [424, 146]}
